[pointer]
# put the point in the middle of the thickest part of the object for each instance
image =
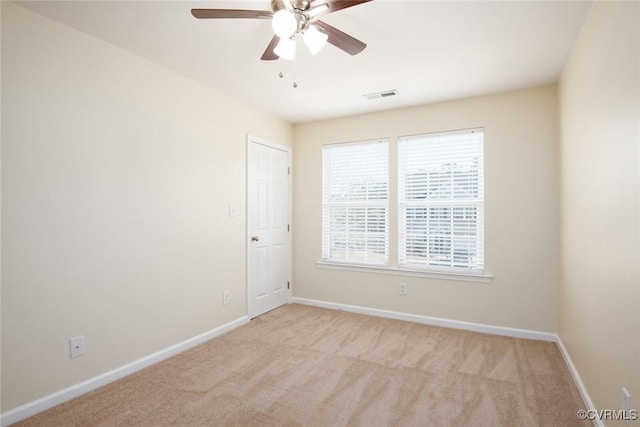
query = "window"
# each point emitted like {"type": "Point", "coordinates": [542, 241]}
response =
{"type": "Point", "coordinates": [355, 202]}
{"type": "Point", "coordinates": [441, 201]}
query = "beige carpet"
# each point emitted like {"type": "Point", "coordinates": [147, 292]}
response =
{"type": "Point", "coordinates": [300, 365]}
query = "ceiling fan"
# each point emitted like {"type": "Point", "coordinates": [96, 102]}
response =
{"type": "Point", "coordinates": [292, 17]}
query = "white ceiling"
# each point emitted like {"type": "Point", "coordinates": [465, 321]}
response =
{"type": "Point", "coordinates": [428, 51]}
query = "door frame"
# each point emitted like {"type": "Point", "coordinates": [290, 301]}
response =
{"type": "Point", "coordinates": [251, 139]}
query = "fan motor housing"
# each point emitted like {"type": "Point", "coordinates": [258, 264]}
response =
{"type": "Point", "coordinates": [302, 5]}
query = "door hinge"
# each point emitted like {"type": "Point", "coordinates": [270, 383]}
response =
{"type": "Point", "coordinates": [288, 171]}
{"type": "Point", "coordinates": [288, 285]}
{"type": "Point", "coordinates": [289, 227]}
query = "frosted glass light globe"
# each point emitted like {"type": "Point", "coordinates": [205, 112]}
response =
{"type": "Point", "coordinates": [284, 24]}
{"type": "Point", "coordinates": [286, 49]}
{"type": "Point", "coordinates": [314, 39]}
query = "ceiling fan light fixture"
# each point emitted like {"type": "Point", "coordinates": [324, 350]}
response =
{"type": "Point", "coordinates": [284, 24]}
{"type": "Point", "coordinates": [314, 39]}
{"type": "Point", "coordinates": [286, 49]}
{"type": "Point", "coordinates": [292, 17]}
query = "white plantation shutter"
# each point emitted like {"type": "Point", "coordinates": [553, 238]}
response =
{"type": "Point", "coordinates": [355, 202]}
{"type": "Point", "coordinates": [441, 201]}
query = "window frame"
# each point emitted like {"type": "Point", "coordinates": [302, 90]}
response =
{"type": "Point", "coordinates": [392, 265]}
{"type": "Point", "coordinates": [453, 230]}
{"type": "Point", "coordinates": [355, 207]}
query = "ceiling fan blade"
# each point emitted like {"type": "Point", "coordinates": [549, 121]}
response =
{"type": "Point", "coordinates": [335, 5]}
{"type": "Point", "coordinates": [231, 13]}
{"type": "Point", "coordinates": [341, 40]}
{"type": "Point", "coordinates": [269, 54]}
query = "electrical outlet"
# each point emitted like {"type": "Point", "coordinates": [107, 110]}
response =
{"type": "Point", "coordinates": [76, 346]}
{"type": "Point", "coordinates": [226, 297]}
{"type": "Point", "coordinates": [232, 210]}
{"type": "Point", "coordinates": [402, 289]}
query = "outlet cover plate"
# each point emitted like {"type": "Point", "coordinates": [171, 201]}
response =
{"type": "Point", "coordinates": [76, 346]}
{"type": "Point", "coordinates": [402, 289]}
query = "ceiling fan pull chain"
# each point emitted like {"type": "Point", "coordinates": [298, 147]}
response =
{"type": "Point", "coordinates": [295, 72]}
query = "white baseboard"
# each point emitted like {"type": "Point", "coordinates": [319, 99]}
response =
{"type": "Point", "coordinates": [46, 402]}
{"type": "Point", "coordinates": [578, 381]}
{"type": "Point", "coordinates": [434, 321]}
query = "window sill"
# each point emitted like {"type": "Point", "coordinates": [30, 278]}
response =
{"type": "Point", "coordinates": [403, 271]}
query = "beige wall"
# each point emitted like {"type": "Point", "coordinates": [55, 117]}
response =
{"type": "Point", "coordinates": [522, 212]}
{"type": "Point", "coordinates": [599, 302]}
{"type": "Point", "coordinates": [116, 179]}
{"type": "Point", "coordinates": [117, 175]}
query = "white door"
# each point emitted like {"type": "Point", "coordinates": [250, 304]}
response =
{"type": "Point", "coordinates": [268, 229]}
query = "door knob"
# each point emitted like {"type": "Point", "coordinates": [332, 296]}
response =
{"type": "Point", "coordinates": [255, 238]}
